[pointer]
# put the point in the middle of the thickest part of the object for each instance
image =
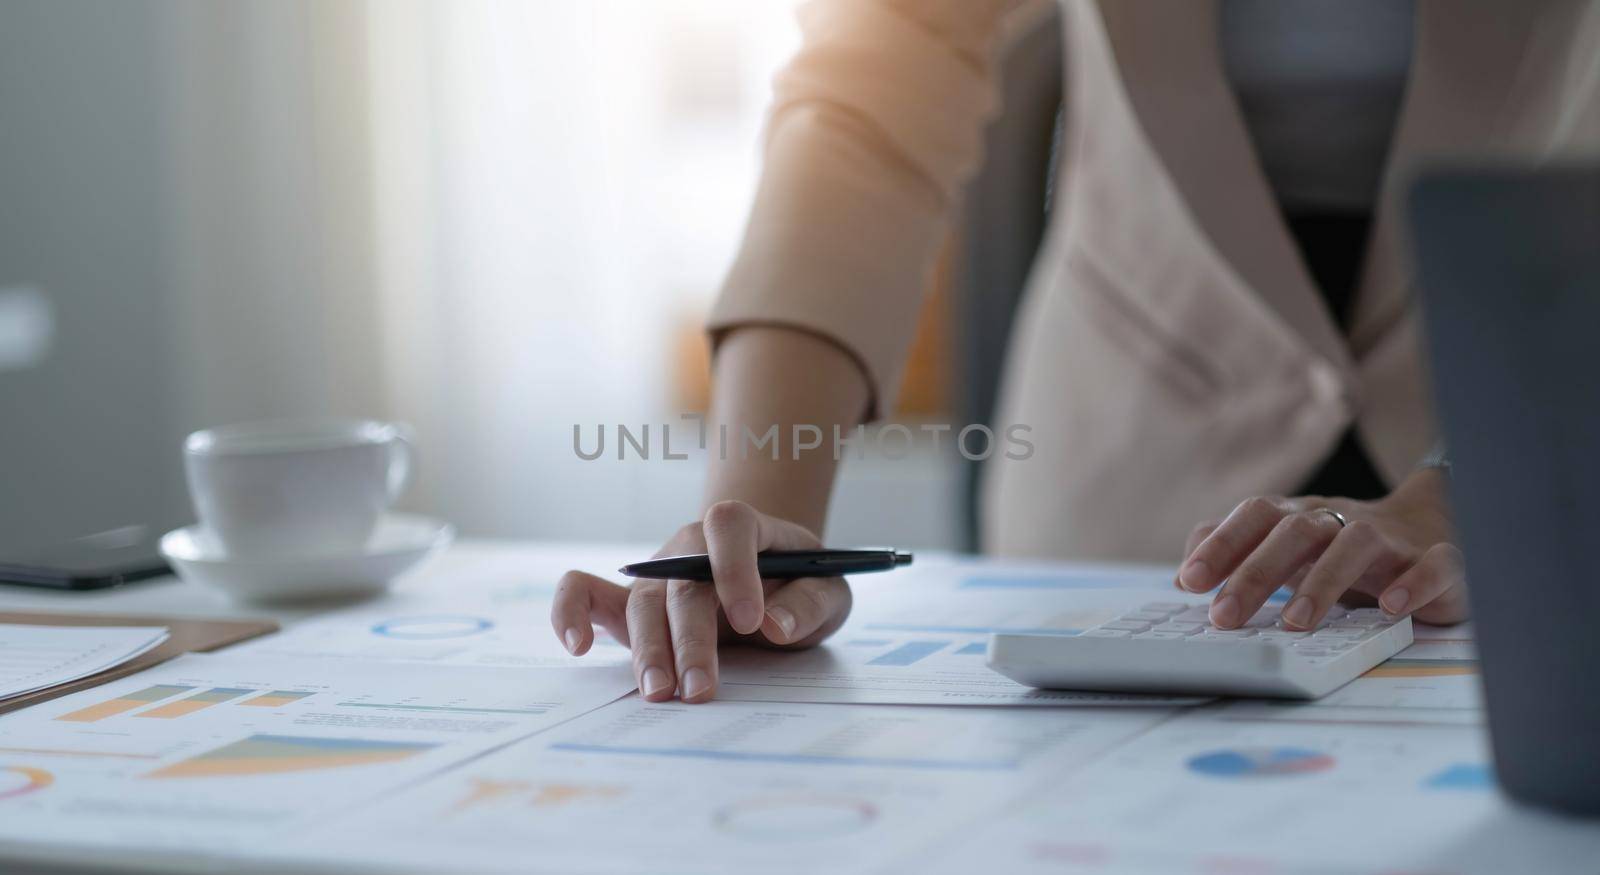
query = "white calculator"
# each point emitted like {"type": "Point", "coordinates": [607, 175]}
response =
{"type": "Point", "coordinates": [1169, 647]}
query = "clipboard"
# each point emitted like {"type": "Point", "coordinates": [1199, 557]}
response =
{"type": "Point", "coordinates": [184, 635]}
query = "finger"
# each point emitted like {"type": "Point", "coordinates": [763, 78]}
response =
{"type": "Point", "coordinates": [1434, 590]}
{"type": "Point", "coordinates": [1226, 546]}
{"type": "Point", "coordinates": [1297, 539]}
{"type": "Point", "coordinates": [651, 640]}
{"type": "Point", "coordinates": [1196, 535]}
{"type": "Point", "coordinates": [805, 611]}
{"type": "Point", "coordinates": [732, 531]}
{"type": "Point", "coordinates": [582, 600]}
{"type": "Point", "coordinates": [692, 616]}
{"type": "Point", "coordinates": [1347, 558]}
{"type": "Point", "coordinates": [1294, 581]}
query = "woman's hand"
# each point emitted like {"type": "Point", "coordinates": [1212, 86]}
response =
{"type": "Point", "coordinates": [1396, 550]}
{"type": "Point", "coordinates": [673, 626]}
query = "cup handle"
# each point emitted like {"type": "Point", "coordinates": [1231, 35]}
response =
{"type": "Point", "coordinates": [402, 460]}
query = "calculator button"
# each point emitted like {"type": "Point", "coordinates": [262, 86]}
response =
{"type": "Point", "coordinates": [1166, 607]}
{"type": "Point", "coordinates": [1146, 616]}
{"type": "Point", "coordinates": [1198, 614]}
{"type": "Point", "coordinates": [1229, 633]}
{"type": "Point", "coordinates": [1373, 614]}
{"type": "Point", "coordinates": [1105, 633]}
{"type": "Point", "coordinates": [1266, 616]}
{"type": "Point", "coordinates": [1210, 639]}
{"type": "Point", "coordinates": [1157, 634]}
{"type": "Point", "coordinates": [1127, 626]}
{"type": "Point", "coordinates": [1183, 626]}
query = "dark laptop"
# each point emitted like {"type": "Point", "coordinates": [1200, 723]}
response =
{"type": "Point", "coordinates": [1509, 266]}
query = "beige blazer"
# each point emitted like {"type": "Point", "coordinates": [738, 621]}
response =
{"type": "Point", "coordinates": [1172, 355]}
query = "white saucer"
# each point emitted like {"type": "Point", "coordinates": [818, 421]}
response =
{"type": "Point", "coordinates": [401, 542]}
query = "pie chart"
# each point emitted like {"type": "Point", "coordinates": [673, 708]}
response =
{"type": "Point", "coordinates": [1260, 762]}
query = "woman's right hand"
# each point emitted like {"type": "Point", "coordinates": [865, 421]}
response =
{"type": "Point", "coordinates": [673, 627]}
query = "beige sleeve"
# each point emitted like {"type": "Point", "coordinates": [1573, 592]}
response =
{"type": "Point", "coordinates": [876, 125]}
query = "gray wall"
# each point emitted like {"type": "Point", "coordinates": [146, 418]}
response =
{"type": "Point", "coordinates": [86, 433]}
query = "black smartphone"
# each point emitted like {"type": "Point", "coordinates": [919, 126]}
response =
{"type": "Point", "coordinates": [98, 561]}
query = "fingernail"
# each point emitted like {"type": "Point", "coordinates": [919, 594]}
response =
{"type": "Point", "coordinates": [1193, 575]}
{"type": "Point", "coordinates": [744, 617]}
{"type": "Point", "coordinates": [1298, 612]}
{"type": "Point", "coordinates": [1395, 600]}
{"type": "Point", "coordinates": [573, 639]}
{"type": "Point", "coordinates": [695, 683]}
{"type": "Point", "coordinates": [655, 680]}
{"type": "Point", "coordinates": [1225, 612]}
{"type": "Point", "coordinates": [784, 619]}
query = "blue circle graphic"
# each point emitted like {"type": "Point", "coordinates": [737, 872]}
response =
{"type": "Point", "coordinates": [432, 627]}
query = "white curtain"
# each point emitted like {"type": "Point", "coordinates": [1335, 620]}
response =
{"type": "Point", "coordinates": [489, 219]}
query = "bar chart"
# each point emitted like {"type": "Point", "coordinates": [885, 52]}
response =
{"type": "Point", "coordinates": [123, 703]}
{"type": "Point", "coordinates": [276, 754]}
{"type": "Point", "coordinates": [197, 702]}
{"type": "Point", "coordinates": [276, 699]}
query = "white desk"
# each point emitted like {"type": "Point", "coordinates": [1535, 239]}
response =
{"type": "Point", "coordinates": [1388, 778]}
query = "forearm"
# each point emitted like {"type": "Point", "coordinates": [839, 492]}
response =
{"type": "Point", "coordinates": [765, 376]}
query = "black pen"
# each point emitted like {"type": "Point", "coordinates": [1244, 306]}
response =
{"type": "Point", "coordinates": [777, 564]}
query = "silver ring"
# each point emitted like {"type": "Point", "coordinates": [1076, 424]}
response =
{"type": "Point", "coordinates": [1335, 514]}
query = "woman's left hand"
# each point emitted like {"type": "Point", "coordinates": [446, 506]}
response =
{"type": "Point", "coordinates": [1397, 550]}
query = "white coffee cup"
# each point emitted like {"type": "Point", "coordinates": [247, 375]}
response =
{"type": "Point", "coordinates": [295, 488]}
